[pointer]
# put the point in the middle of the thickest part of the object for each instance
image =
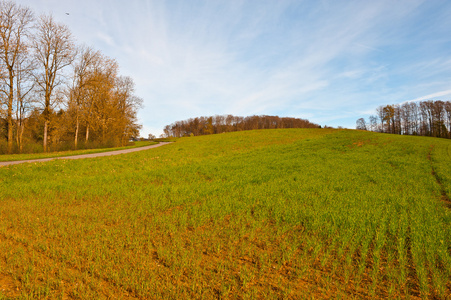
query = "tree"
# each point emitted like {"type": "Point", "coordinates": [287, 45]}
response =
{"type": "Point", "coordinates": [373, 123]}
{"type": "Point", "coordinates": [24, 90]}
{"type": "Point", "coordinates": [389, 117]}
{"type": "Point", "coordinates": [438, 119]}
{"type": "Point", "coordinates": [126, 105]}
{"type": "Point", "coordinates": [54, 50]}
{"type": "Point", "coordinates": [397, 120]}
{"type": "Point", "coordinates": [102, 80]}
{"type": "Point", "coordinates": [78, 93]}
{"type": "Point", "coordinates": [406, 119]}
{"type": "Point", "coordinates": [361, 124]}
{"type": "Point", "coordinates": [382, 117]}
{"type": "Point", "coordinates": [448, 117]}
{"type": "Point", "coordinates": [15, 24]}
{"type": "Point", "coordinates": [426, 116]}
{"type": "Point", "coordinates": [414, 118]}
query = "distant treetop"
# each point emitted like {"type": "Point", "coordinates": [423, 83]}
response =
{"type": "Point", "coordinates": [229, 123]}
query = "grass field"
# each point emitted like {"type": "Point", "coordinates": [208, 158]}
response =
{"type": "Point", "coordinates": [272, 214]}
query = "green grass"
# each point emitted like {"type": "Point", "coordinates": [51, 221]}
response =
{"type": "Point", "coordinates": [15, 157]}
{"type": "Point", "coordinates": [303, 213]}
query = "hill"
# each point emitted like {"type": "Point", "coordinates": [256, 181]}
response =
{"type": "Point", "coordinates": [287, 213]}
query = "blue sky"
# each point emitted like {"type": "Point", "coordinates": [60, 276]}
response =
{"type": "Point", "coordinates": [330, 62]}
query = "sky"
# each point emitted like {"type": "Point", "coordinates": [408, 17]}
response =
{"type": "Point", "coordinates": [330, 62]}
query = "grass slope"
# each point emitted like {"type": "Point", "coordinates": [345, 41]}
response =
{"type": "Point", "coordinates": [258, 214]}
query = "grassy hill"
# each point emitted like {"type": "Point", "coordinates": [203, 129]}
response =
{"type": "Point", "coordinates": [264, 214]}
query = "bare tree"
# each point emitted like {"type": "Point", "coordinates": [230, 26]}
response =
{"type": "Point", "coordinates": [24, 91]}
{"type": "Point", "coordinates": [54, 50]}
{"type": "Point", "coordinates": [382, 116]}
{"type": "Point", "coordinates": [15, 24]}
{"type": "Point", "coordinates": [448, 117]}
{"type": "Point", "coordinates": [425, 118]}
{"type": "Point", "coordinates": [126, 107]}
{"type": "Point", "coordinates": [373, 123]}
{"type": "Point", "coordinates": [414, 117]}
{"type": "Point", "coordinates": [361, 124]}
{"type": "Point", "coordinates": [83, 68]}
{"type": "Point", "coordinates": [438, 117]}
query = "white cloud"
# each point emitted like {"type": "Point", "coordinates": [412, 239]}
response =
{"type": "Point", "coordinates": [433, 96]}
{"type": "Point", "coordinates": [332, 58]}
{"type": "Point", "coordinates": [102, 36]}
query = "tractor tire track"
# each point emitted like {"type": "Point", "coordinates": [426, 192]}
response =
{"type": "Point", "coordinates": [443, 197]}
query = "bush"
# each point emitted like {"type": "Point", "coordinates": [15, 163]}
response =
{"type": "Point", "coordinates": [33, 148]}
{"type": "Point", "coordinates": [3, 146]}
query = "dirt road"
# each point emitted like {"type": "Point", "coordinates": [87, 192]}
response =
{"type": "Point", "coordinates": [124, 151]}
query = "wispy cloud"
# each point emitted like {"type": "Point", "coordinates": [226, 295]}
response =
{"type": "Point", "coordinates": [433, 96]}
{"type": "Point", "coordinates": [328, 60]}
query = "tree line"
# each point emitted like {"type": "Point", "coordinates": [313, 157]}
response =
{"type": "Point", "coordinates": [55, 94]}
{"type": "Point", "coordinates": [425, 118]}
{"type": "Point", "coordinates": [229, 123]}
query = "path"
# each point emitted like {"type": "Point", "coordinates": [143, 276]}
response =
{"type": "Point", "coordinates": [124, 151]}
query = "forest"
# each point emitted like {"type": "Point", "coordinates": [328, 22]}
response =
{"type": "Point", "coordinates": [425, 118]}
{"type": "Point", "coordinates": [56, 94]}
{"type": "Point", "coordinates": [229, 123]}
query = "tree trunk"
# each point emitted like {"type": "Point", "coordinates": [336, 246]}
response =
{"type": "Point", "coordinates": [10, 131]}
{"type": "Point", "coordinates": [45, 134]}
{"type": "Point", "coordinates": [20, 134]}
{"type": "Point", "coordinates": [21, 130]}
{"type": "Point", "coordinates": [76, 133]}
{"type": "Point", "coordinates": [87, 133]}
{"type": "Point", "coordinates": [10, 113]}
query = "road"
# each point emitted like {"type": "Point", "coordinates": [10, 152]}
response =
{"type": "Point", "coordinates": [109, 153]}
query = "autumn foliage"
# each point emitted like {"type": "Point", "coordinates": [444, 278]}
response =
{"type": "Point", "coordinates": [55, 94]}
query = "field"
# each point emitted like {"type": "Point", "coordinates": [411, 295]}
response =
{"type": "Point", "coordinates": [272, 214]}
